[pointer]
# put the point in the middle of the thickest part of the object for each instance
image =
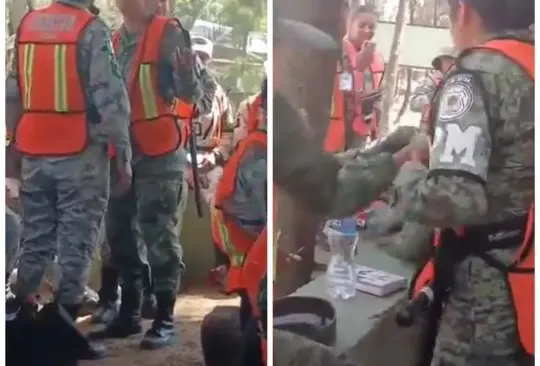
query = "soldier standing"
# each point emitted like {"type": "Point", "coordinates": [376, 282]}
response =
{"type": "Point", "coordinates": [62, 137]}
{"type": "Point", "coordinates": [481, 179]}
{"type": "Point", "coordinates": [156, 60]}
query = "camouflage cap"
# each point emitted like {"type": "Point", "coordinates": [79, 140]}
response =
{"type": "Point", "coordinates": [303, 34]}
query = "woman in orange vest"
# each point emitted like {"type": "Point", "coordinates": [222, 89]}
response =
{"type": "Point", "coordinates": [354, 115]}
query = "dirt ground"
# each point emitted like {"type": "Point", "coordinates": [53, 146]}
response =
{"type": "Point", "coordinates": [190, 310]}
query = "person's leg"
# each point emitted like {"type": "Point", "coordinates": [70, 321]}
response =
{"type": "Point", "coordinates": [39, 244]}
{"type": "Point", "coordinates": [108, 293]}
{"type": "Point", "coordinates": [13, 238]}
{"type": "Point", "coordinates": [149, 306]}
{"type": "Point", "coordinates": [82, 192]}
{"type": "Point", "coordinates": [158, 199]}
{"type": "Point", "coordinates": [129, 259]}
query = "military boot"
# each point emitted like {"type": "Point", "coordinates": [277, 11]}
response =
{"type": "Point", "coordinates": [86, 350]}
{"type": "Point", "coordinates": [108, 297]}
{"type": "Point", "coordinates": [162, 332]}
{"type": "Point", "coordinates": [128, 320]}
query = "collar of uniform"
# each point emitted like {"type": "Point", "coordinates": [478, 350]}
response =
{"type": "Point", "coordinates": [83, 4]}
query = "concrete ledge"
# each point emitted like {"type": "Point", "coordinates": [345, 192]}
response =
{"type": "Point", "coordinates": [359, 317]}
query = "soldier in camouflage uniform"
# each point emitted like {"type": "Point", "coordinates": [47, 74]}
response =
{"type": "Point", "coordinates": [488, 103]}
{"type": "Point", "coordinates": [108, 294]}
{"type": "Point", "coordinates": [421, 96]}
{"type": "Point", "coordinates": [80, 181]}
{"type": "Point", "coordinates": [153, 204]}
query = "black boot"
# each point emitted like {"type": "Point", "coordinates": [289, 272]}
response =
{"type": "Point", "coordinates": [108, 297]}
{"type": "Point", "coordinates": [88, 350]}
{"type": "Point", "coordinates": [128, 320]}
{"type": "Point", "coordinates": [162, 332]}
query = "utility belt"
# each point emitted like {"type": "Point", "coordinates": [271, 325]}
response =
{"type": "Point", "coordinates": [433, 282]}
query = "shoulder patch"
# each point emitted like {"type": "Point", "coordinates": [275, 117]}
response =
{"type": "Point", "coordinates": [456, 98]}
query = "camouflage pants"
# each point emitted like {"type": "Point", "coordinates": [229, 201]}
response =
{"type": "Point", "coordinates": [63, 202]}
{"type": "Point", "coordinates": [143, 229]}
{"type": "Point", "coordinates": [13, 237]}
{"type": "Point", "coordinates": [105, 250]}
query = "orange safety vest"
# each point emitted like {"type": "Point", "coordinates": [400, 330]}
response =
{"type": "Point", "coordinates": [335, 137]}
{"type": "Point", "coordinates": [230, 237]}
{"type": "Point", "coordinates": [253, 272]}
{"type": "Point", "coordinates": [155, 124]}
{"type": "Point", "coordinates": [53, 122]}
{"type": "Point", "coordinates": [520, 273]}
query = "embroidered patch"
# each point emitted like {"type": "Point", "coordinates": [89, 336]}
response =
{"type": "Point", "coordinates": [456, 99]}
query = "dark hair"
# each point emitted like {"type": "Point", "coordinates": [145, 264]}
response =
{"type": "Point", "coordinates": [499, 15]}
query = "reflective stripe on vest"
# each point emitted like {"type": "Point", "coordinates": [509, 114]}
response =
{"type": "Point", "coordinates": [155, 126]}
{"type": "Point", "coordinates": [53, 122]}
{"type": "Point", "coordinates": [236, 258]}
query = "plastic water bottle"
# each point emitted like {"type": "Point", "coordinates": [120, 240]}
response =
{"type": "Point", "coordinates": [340, 274]}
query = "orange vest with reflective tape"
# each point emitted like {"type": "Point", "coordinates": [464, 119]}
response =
{"type": "Point", "coordinates": [335, 136]}
{"type": "Point", "coordinates": [231, 238]}
{"type": "Point", "coordinates": [155, 126]}
{"type": "Point", "coordinates": [521, 277]}
{"type": "Point", "coordinates": [54, 120]}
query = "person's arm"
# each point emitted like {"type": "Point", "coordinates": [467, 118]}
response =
{"type": "Point", "coordinates": [225, 144]}
{"type": "Point", "coordinates": [179, 64]}
{"type": "Point", "coordinates": [453, 193]}
{"type": "Point", "coordinates": [391, 143]}
{"type": "Point", "coordinates": [106, 88]}
{"type": "Point", "coordinates": [422, 94]}
{"type": "Point", "coordinates": [317, 179]}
